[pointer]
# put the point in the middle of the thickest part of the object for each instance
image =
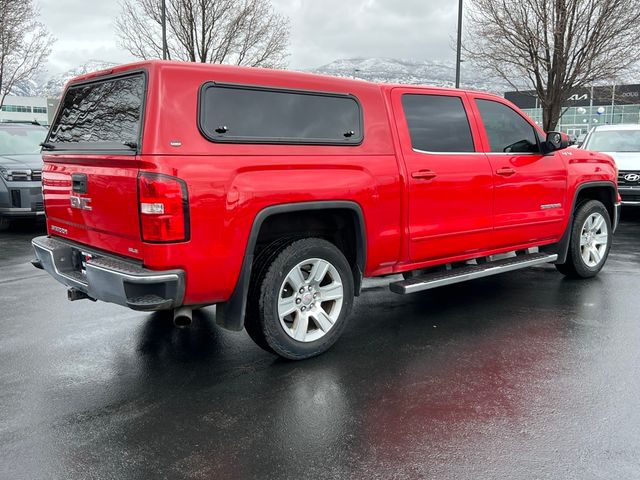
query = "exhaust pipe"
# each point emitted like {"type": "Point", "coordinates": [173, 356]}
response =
{"type": "Point", "coordinates": [182, 317]}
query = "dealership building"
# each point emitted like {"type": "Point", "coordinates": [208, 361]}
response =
{"type": "Point", "coordinates": [28, 109]}
{"type": "Point", "coordinates": [587, 107]}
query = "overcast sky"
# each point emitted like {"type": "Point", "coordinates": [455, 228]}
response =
{"type": "Point", "coordinates": [322, 30]}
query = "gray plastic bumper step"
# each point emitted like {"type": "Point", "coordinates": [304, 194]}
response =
{"type": "Point", "coordinates": [461, 274]}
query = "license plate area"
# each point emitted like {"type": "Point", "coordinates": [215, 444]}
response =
{"type": "Point", "coordinates": [80, 259]}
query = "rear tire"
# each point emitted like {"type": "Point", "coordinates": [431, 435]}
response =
{"type": "Point", "coordinates": [4, 224]}
{"type": "Point", "coordinates": [300, 298]}
{"type": "Point", "coordinates": [591, 236]}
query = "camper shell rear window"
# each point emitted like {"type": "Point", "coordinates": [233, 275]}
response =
{"type": "Point", "coordinates": [231, 113]}
{"type": "Point", "coordinates": [104, 114]}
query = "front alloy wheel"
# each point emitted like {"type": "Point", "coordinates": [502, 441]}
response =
{"type": "Point", "coordinates": [594, 240]}
{"type": "Point", "coordinates": [590, 241]}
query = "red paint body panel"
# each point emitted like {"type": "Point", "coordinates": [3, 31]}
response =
{"type": "Point", "coordinates": [442, 221]}
{"type": "Point", "coordinates": [463, 212]}
{"type": "Point", "coordinates": [112, 223]}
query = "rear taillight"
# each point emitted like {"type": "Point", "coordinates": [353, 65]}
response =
{"type": "Point", "coordinates": [164, 208]}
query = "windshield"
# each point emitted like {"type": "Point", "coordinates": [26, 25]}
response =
{"type": "Point", "coordinates": [17, 140]}
{"type": "Point", "coordinates": [614, 141]}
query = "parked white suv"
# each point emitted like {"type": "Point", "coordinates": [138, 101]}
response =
{"type": "Point", "coordinates": [622, 142]}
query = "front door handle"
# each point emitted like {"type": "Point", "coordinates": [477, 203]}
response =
{"type": "Point", "coordinates": [505, 171]}
{"type": "Point", "coordinates": [424, 175]}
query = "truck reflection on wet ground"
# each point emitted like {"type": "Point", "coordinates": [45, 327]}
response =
{"type": "Point", "coordinates": [522, 375]}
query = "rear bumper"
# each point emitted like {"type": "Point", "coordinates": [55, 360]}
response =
{"type": "Point", "coordinates": [110, 279]}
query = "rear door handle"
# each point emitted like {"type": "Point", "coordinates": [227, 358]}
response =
{"type": "Point", "coordinates": [424, 175]}
{"type": "Point", "coordinates": [505, 171]}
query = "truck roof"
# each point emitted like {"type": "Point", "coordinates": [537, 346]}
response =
{"type": "Point", "coordinates": [265, 73]}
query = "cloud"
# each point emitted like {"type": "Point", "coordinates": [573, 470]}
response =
{"type": "Point", "coordinates": [322, 31]}
{"type": "Point", "coordinates": [85, 30]}
{"type": "Point", "coordinates": [330, 29]}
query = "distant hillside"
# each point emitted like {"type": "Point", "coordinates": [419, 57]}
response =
{"type": "Point", "coordinates": [52, 86]}
{"type": "Point", "coordinates": [413, 72]}
{"type": "Point", "coordinates": [388, 70]}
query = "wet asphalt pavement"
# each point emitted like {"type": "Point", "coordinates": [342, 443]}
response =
{"type": "Point", "coordinates": [523, 375]}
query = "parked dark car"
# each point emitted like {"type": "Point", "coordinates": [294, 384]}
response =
{"type": "Point", "coordinates": [20, 171]}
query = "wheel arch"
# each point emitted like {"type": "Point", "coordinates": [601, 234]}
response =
{"type": "Point", "coordinates": [605, 192]}
{"type": "Point", "coordinates": [230, 314]}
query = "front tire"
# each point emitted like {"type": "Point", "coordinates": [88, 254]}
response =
{"type": "Point", "coordinates": [591, 236]}
{"type": "Point", "coordinates": [304, 296]}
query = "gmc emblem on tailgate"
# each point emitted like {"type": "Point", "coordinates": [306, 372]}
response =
{"type": "Point", "coordinates": [81, 203]}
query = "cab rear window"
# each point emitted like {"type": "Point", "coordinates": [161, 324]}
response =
{"type": "Point", "coordinates": [249, 114]}
{"type": "Point", "coordinates": [104, 115]}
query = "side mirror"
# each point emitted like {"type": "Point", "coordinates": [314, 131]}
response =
{"type": "Point", "coordinates": [556, 141]}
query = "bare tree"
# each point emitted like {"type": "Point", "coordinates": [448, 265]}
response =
{"type": "Point", "coordinates": [241, 32]}
{"type": "Point", "coordinates": [25, 44]}
{"type": "Point", "coordinates": [555, 46]}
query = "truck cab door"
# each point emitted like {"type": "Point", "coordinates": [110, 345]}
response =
{"type": "Point", "coordinates": [449, 179]}
{"type": "Point", "coordinates": [530, 187]}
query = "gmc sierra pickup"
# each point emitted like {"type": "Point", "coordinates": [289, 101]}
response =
{"type": "Point", "coordinates": [271, 194]}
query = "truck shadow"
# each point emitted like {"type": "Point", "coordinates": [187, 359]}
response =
{"type": "Point", "coordinates": [159, 338]}
{"type": "Point", "coordinates": [630, 215]}
{"type": "Point", "coordinates": [26, 226]}
{"type": "Point", "coordinates": [203, 345]}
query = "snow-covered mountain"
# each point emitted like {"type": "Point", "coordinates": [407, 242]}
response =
{"type": "Point", "coordinates": [54, 85]}
{"type": "Point", "coordinates": [413, 72]}
{"type": "Point", "coordinates": [30, 88]}
{"type": "Point", "coordinates": [388, 70]}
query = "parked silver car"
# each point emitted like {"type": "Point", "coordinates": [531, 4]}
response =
{"type": "Point", "coordinates": [622, 142]}
{"type": "Point", "coordinates": [20, 171]}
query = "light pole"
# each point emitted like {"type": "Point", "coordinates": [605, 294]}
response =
{"type": "Point", "coordinates": [459, 44]}
{"type": "Point", "coordinates": [164, 30]}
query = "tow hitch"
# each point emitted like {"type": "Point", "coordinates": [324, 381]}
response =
{"type": "Point", "coordinates": [74, 294]}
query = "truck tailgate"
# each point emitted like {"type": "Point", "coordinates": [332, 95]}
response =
{"type": "Point", "coordinates": [94, 200]}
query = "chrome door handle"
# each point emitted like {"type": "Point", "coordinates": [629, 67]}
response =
{"type": "Point", "coordinates": [424, 175]}
{"type": "Point", "coordinates": [505, 171]}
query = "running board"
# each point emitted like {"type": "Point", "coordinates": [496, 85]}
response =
{"type": "Point", "coordinates": [462, 274]}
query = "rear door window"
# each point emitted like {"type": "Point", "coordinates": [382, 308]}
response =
{"type": "Point", "coordinates": [247, 114]}
{"type": "Point", "coordinates": [104, 114]}
{"type": "Point", "coordinates": [437, 123]}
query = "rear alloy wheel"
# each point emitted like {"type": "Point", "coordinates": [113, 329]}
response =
{"type": "Point", "coordinates": [590, 241]}
{"type": "Point", "coordinates": [305, 296]}
{"type": "Point", "coordinates": [310, 300]}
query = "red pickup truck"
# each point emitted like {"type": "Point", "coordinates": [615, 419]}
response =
{"type": "Point", "coordinates": [271, 194]}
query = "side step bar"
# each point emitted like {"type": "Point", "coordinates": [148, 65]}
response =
{"type": "Point", "coordinates": [461, 274]}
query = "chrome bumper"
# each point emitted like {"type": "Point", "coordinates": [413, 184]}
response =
{"type": "Point", "coordinates": [629, 195]}
{"type": "Point", "coordinates": [617, 209]}
{"type": "Point", "coordinates": [110, 279]}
